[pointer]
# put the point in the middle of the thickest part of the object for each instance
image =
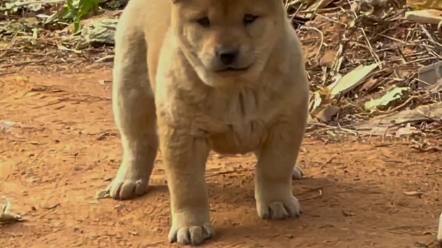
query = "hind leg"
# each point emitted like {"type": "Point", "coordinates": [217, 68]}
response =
{"type": "Point", "coordinates": [274, 173]}
{"type": "Point", "coordinates": [276, 163]}
{"type": "Point", "coordinates": [133, 105]}
{"type": "Point", "coordinates": [297, 173]}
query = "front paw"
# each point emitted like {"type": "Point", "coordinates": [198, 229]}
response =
{"type": "Point", "coordinates": [130, 182]}
{"type": "Point", "coordinates": [277, 208]}
{"type": "Point", "coordinates": [194, 234]}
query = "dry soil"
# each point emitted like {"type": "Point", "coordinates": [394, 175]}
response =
{"type": "Point", "coordinates": [65, 148]}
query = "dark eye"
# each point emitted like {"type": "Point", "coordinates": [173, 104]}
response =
{"type": "Point", "coordinates": [204, 22]}
{"type": "Point", "coordinates": [249, 19]}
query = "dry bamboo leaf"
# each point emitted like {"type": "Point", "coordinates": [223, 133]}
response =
{"type": "Point", "coordinates": [386, 99]}
{"type": "Point", "coordinates": [316, 102]}
{"type": "Point", "coordinates": [351, 80]}
{"type": "Point", "coordinates": [380, 124]}
{"type": "Point", "coordinates": [426, 16]}
{"type": "Point", "coordinates": [413, 193]}
{"type": "Point", "coordinates": [425, 4]}
{"type": "Point", "coordinates": [318, 5]}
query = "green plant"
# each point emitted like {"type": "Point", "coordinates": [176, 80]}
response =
{"type": "Point", "coordinates": [77, 9]}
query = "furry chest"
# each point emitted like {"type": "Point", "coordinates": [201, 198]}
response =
{"type": "Point", "coordinates": [237, 138]}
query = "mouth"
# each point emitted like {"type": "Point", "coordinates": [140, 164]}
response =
{"type": "Point", "coordinates": [234, 69]}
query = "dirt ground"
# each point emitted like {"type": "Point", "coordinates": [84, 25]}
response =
{"type": "Point", "coordinates": [65, 148]}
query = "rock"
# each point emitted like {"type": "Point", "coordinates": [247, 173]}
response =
{"type": "Point", "coordinates": [430, 74]}
{"type": "Point", "coordinates": [99, 32]}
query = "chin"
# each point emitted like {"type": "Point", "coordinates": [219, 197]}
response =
{"type": "Point", "coordinates": [228, 78]}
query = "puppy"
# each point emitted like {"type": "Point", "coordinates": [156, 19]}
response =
{"type": "Point", "coordinates": [191, 76]}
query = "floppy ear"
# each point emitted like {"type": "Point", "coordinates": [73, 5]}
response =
{"type": "Point", "coordinates": [175, 1]}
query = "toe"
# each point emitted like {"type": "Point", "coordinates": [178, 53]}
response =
{"type": "Point", "coordinates": [263, 211]}
{"type": "Point", "coordinates": [183, 236]}
{"type": "Point", "coordinates": [123, 190]}
{"type": "Point", "coordinates": [114, 190]}
{"type": "Point", "coordinates": [196, 235]}
{"type": "Point", "coordinates": [193, 235]}
{"type": "Point", "coordinates": [208, 231]}
{"type": "Point", "coordinates": [297, 173]}
{"type": "Point", "coordinates": [277, 211]}
{"type": "Point", "coordinates": [293, 207]}
{"type": "Point", "coordinates": [127, 190]}
{"type": "Point", "coordinates": [173, 235]}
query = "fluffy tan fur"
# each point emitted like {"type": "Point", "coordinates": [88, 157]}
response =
{"type": "Point", "coordinates": [178, 87]}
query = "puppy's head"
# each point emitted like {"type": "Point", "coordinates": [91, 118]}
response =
{"type": "Point", "coordinates": [228, 41]}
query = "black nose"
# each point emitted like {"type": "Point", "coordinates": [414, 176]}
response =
{"type": "Point", "coordinates": [227, 56]}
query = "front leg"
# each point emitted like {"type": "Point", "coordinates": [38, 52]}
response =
{"type": "Point", "coordinates": [185, 159]}
{"type": "Point", "coordinates": [276, 162]}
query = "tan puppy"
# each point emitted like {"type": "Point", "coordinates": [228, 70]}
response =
{"type": "Point", "coordinates": [224, 75]}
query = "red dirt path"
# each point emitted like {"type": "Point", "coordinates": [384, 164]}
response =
{"type": "Point", "coordinates": [65, 148]}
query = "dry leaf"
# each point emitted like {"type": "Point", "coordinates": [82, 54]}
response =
{"type": "Point", "coordinates": [413, 193]}
{"type": "Point", "coordinates": [316, 102]}
{"type": "Point", "coordinates": [326, 114]}
{"type": "Point", "coordinates": [379, 124]}
{"type": "Point", "coordinates": [328, 58]}
{"type": "Point", "coordinates": [419, 4]}
{"type": "Point", "coordinates": [406, 131]}
{"type": "Point", "coordinates": [6, 217]}
{"type": "Point", "coordinates": [435, 89]}
{"type": "Point", "coordinates": [439, 29]}
{"type": "Point", "coordinates": [386, 99]}
{"type": "Point", "coordinates": [369, 85]}
{"type": "Point", "coordinates": [351, 80]}
{"type": "Point", "coordinates": [426, 16]}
